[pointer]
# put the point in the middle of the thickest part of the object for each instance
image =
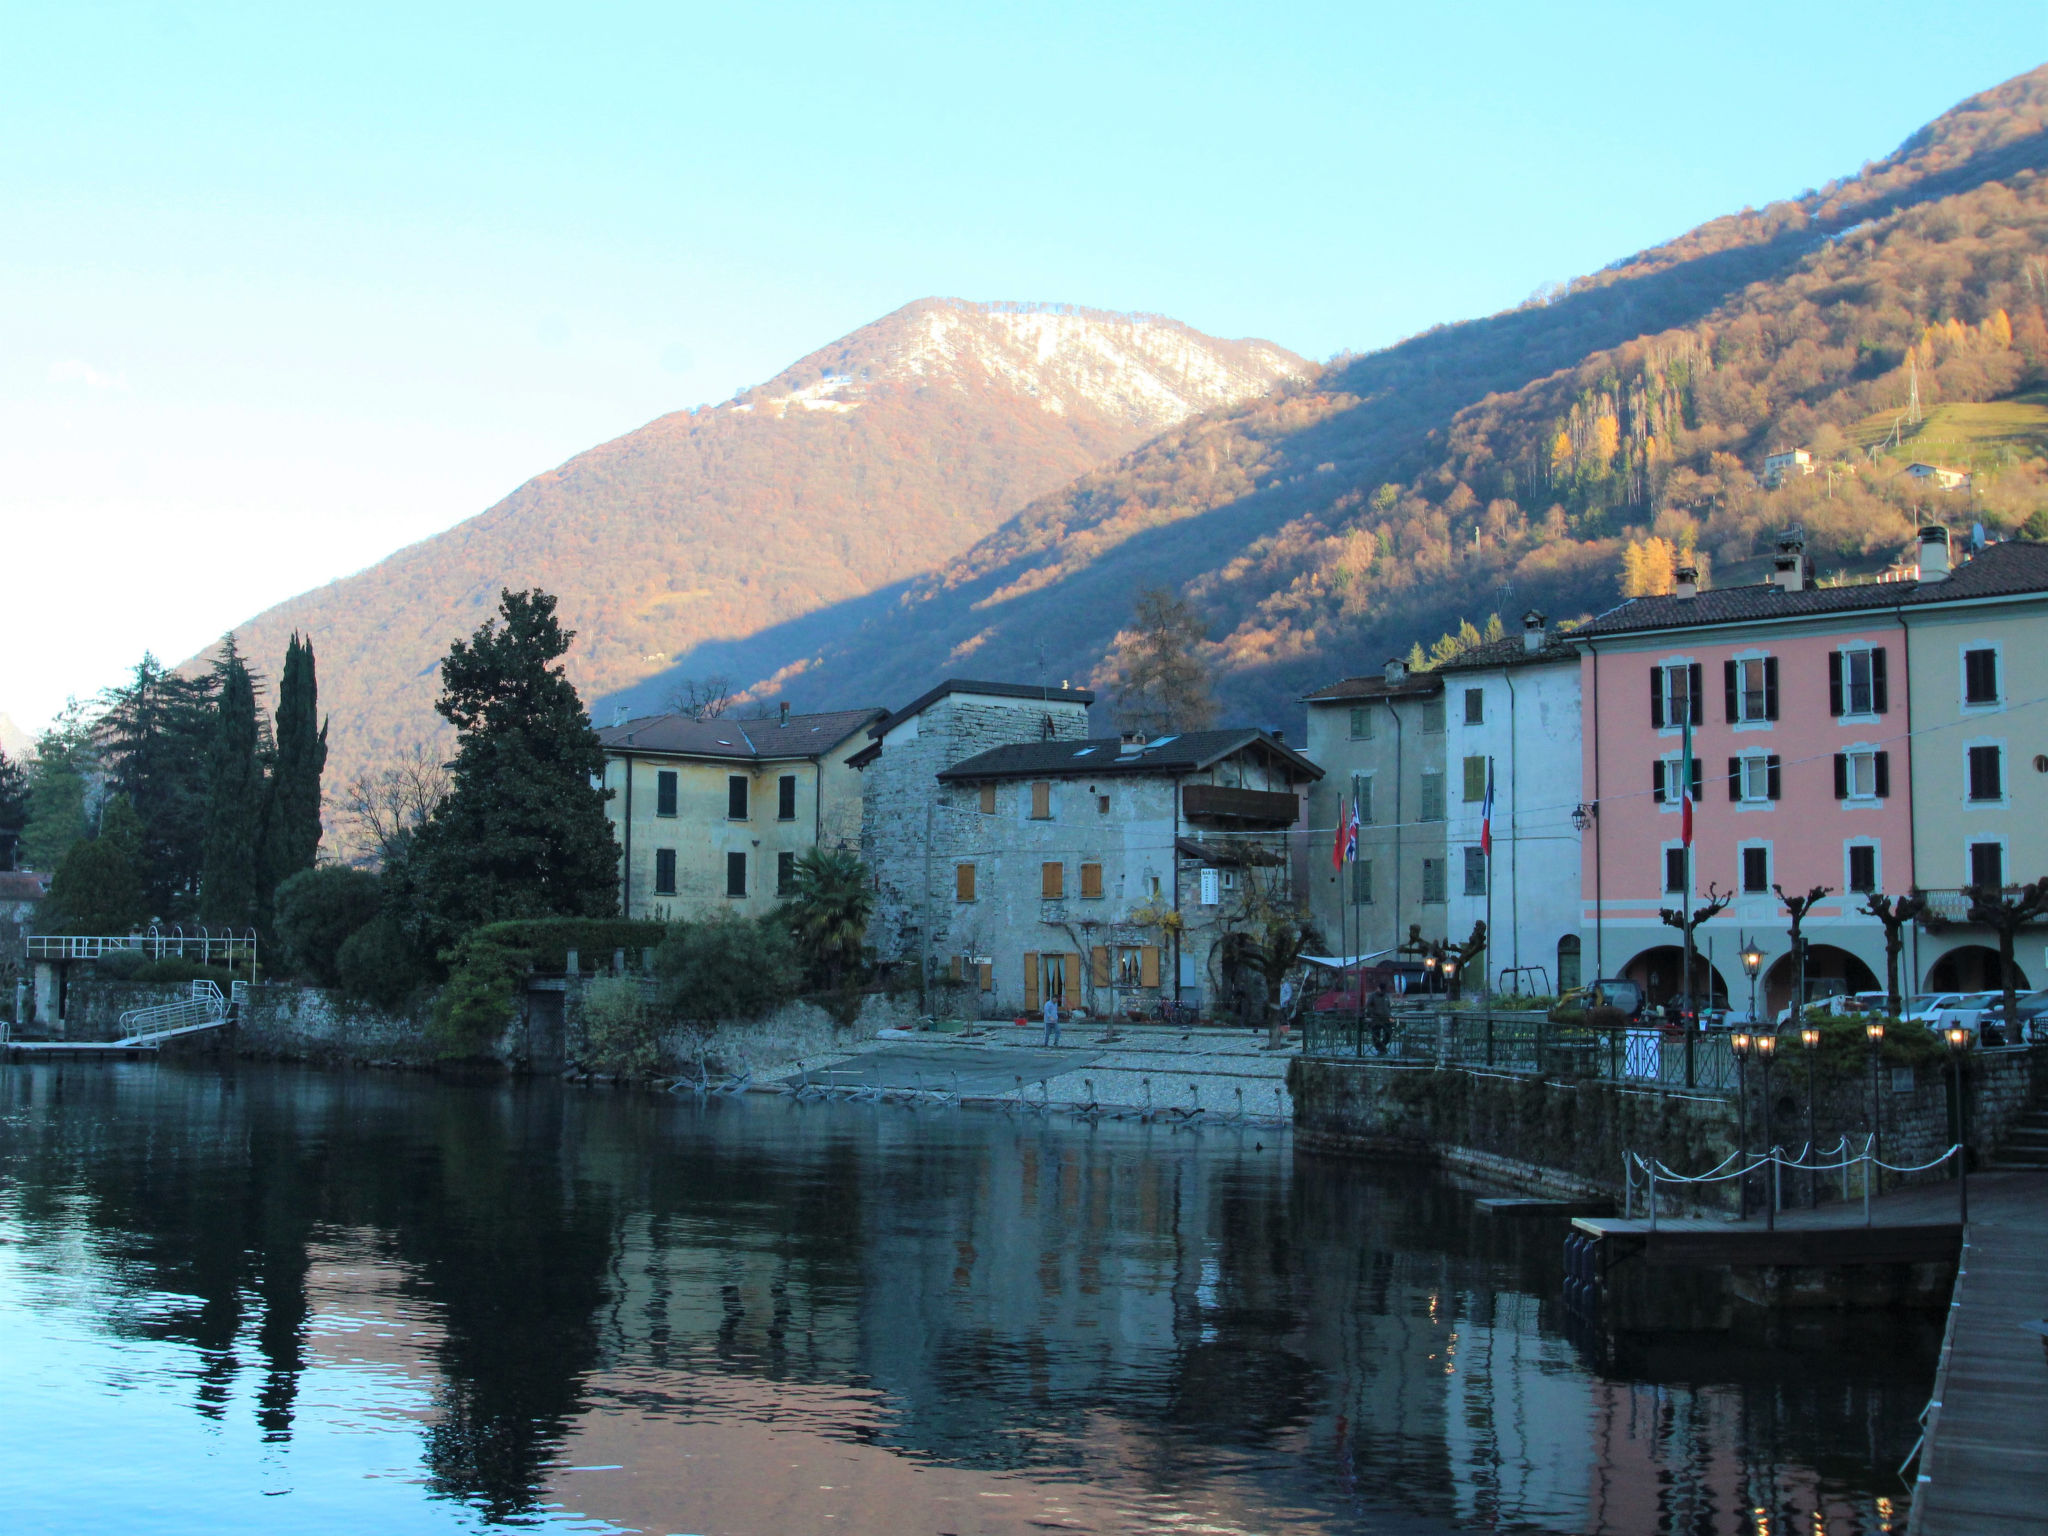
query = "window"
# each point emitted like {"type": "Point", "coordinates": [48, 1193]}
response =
{"type": "Point", "coordinates": [988, 799]}
{"type": "Point", "coordinates": [1475, 780]}
{"type": "Point", "coordinates": [1361, 724]}
{"type": "Point", "coordinates": [1475, 871]}
{"type": "Point", "coordinates": [1750, 687]}
{"type": "Point", "coordinates": [785, 798]}
{"type": "Point", "coordinates": [1675, 694]}
{"type": "Point", "coordinates": [665, 793]}
{"type": "Point", "coordinates": [1674, 869]}
{"type": "Point", "coordinates": [1985, 778]}
{"type": "Point", "coordinates": [1361, 797]}
{"type": "Point", "coordinates": [1667, 788]}
{"type": "Point", "coordinates": [736, 873]}
{"type": "Point", "coordinates": [1862, 867]}
{"type": "Point", "coordinates": [1102, 805]}
{"type": "Point", "coordinates": [1980, 676]}
{"type": "Point", "coordinates": [1856, 682]}
{"type": "Point", "coordinates": [1756, 871]}
{"type": "Point", "coordinates": [664, 871]}
{"type": "Point", "coordinates": [1091, 882]}
{"type": "Point", "coordinates": [1041, 801]}
{"type": "Point", "coordinates": [1987, 864]}
{"type": "Point", "coordinates": [1567, 962]}
{"type": "Point", "coordinates": [1753, 779]}
{"type": "Point", "coordinates": [1052, 881]}
{"type": "Point", "coordinates": [1433, 714]}
{"type": "Point", "coordinates": [1361, 882]}
{"type": "Point", "coordinates": [1863, 775]}
{"type": "Point", "coordinates": [785, 874]}
{"type": "Point", "coordinates": [1432, 797]}
{"type": "Point", "coordinates": [736, 798]}
{"type": "Point", "coordinates": [1433, 880]}
{"type": "Point", "coordinates": [1475, 706]}
{"type": "Point", "coordinates": [963, 882]}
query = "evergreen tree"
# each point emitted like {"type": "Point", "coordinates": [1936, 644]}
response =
{"type": "Point", "coordinates": [158, 740]}
{"type": "Point", "coordinates": [97, 887]}
{"type": "Point", "coordinates": [231, 878]}
{"type": "Point", "coordinates": [292, 823]}
{"type": "Point", "coordinates": [13, 808]}
{"type": "Point", "coordinates": [522, 832]}
{"type": "Point", "coordinates": [57, 785]}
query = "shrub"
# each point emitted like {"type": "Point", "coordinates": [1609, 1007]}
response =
{"type": "Point", "coordinates": [548, 940]}
{"type": "Point", "coordinates": [376, 964]}
{"type": "Point", "coordinates": [620, 1031]}
{"type": "Point", "coordinates": [316, 912]}
{"type": "Point", "coordinates": [480, 996]}
{"type": "Point", "coordinates": [727, 967]}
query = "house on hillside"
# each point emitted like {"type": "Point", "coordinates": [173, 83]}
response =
{"type": "Point", "coordinates": [712, 815]}
{"type": "Point", "coordinates": [1794, 461]}
{"type": "Point", "coordinates": [1942, 479]}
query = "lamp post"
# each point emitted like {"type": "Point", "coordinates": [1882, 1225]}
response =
{"type": "Point", "coordinates": [1740, 1043]}
{"type": "Point", "coordinates": [1958, 1048]}
{"type": "Point", "coordinates": [1766, 1051]}
{"type": "Point", "coordinates": [1752, 963]}
{"type": "Point", "coordinates": [1873, 1033]}
{"type": "Point", "coordinates": [1809, 1037]}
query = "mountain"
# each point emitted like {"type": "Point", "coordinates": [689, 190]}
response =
{"type": "Point", "coordinates": [1509, 462]}
{"type": "Point", "coordinates": [864, 464]}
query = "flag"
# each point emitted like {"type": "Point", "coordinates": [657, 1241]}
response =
{"type": "Point", "coordinates": [1685, 779]}
{"type": "Point", "coordinates": [1486, 814]}
{"type": "Point", "coordinates": [1337, 845]}
{"type": "Point", "coordinates": [1351, 833]}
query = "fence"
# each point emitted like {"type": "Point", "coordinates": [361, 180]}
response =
{"type": "Point", "coordinates": [1642, 1176]}
{"type": "Point", "coordinates": [1694, 1061]}
{"type": "Point", "coordinates": [209, 946]}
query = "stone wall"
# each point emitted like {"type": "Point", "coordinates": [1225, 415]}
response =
{"type": "Point", "coordinates": [294, 1023]}
{"type": "Point", "coordinates": [93, 1007]}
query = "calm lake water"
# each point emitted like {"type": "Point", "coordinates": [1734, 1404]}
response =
{"type": "Point", "coordinates": [281, 1301]}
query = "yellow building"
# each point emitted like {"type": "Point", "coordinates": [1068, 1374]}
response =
{"type": "Point", "coordinates": [712, 815]}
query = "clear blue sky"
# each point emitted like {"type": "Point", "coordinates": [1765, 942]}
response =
{"type": "Point", "coordinates": [292, 285]}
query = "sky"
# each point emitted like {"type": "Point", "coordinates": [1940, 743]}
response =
{"type": "Point", "coordinates": [290, 287]}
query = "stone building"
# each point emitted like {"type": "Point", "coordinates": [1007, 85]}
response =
{"type": "Point", "coordinates": [21, 892]}
{"type": "Point", "coordinates": [712, 815]}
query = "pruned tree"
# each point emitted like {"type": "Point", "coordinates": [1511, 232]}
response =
{"type": "Point", "coordinates": [1163, 683]}
{"type": "Point", "coordinates": [1676, 917]}
{"type": "Point", "coordinates": [1894, 914]}
{"type": "Point", "coordinates": [1796, 907]}
{"type": "Point", "coordinates": [701, 698]}
{"type": "Point", "coordinates": [2005, 912]}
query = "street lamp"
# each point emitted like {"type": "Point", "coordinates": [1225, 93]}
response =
{"type": "Point", "coordinates": [1809, 1037]}
{"type": "Point", "coordinates": [1873, 1033]}
{"type": "Point", "coordinates": [1958, 1047]}
{"type": "Point", "coordinates": [1740, 1043]}
{"type": "Point", "coordinates": [1752, 963]}
{"type": "Point", "coordinates": [1766, 1051]}
{"type": "Point", "coordinates": [1583, 815]}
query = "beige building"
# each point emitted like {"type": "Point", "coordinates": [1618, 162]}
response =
{"type": "Point", "coordinates": [712, 815]}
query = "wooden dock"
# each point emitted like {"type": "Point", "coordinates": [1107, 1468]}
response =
{"type": "Point", "coordinates": [132, 1048]}
{"type": "Point", "coordinates": [1984, 1465]}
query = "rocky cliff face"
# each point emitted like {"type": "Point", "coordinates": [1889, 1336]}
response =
{"type": "Point", "coordinates": [867, 463]}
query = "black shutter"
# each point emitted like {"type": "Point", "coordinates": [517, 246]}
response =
{"type": "Point", "coordinates": [1657, 698]}
{"type": "Point", "coordinates": [1880, 699]}
{"type": "Point", "coordinates": [1841, 775]}
{"type": "Point", "coordinates": [1771, 689]}
{"type": "Point", "coordinates": [1775, 788]}
{"type": "Point", "coordinates": [1734, 775]}
{"type": "Point", "coordinates": [1694, 681]}
{"type": "Point", "coordinates": [1657, 781]}
{"type": "Point", "coordinates": [1884, 771]}
{"type": "Point", "coordinates": [1835, 683]}
{"type": "Point", "coordinates": [1728, 690]}
{"type": "Point", "coordinates": [1697, 770]}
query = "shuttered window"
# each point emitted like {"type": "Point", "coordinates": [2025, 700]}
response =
{"type": "Point", "coordinates": [963, 882]}
{"type": "Point", "coordinates": [785, 874]}
{"type": "Point", "coordinates": [736, 797]}
{"type": "Point", "coordinates": [988, 799]}
{"type": "Point", "coordinates": [665, 793]}
{"type": "Point", "coordinates": [1986, 777]}
{"type": "Point", "coordinates": [1052, 881]}
{"type": "Point", "coordinates": [1756, 871]}
{"type": "Point", "coordinates": [1432, 797]}
{"type": "Point", "coordinates": [1475, 871]}
{"type": "Point", "coordinates": [1031, 1000]}
{"type": "Point", "coordinates": [785, 798]}
{"type": "Point", "coordinates": [1980, 676]}
{"type": "Point", "coordinates": [1475, 780]}
{"type": "Point", "coordinates": [1433, 881]}
{"type": "Point", "coordinates": [1361, 725]}
{"type": "Point", "coordinates": [736, 874]}
{"type": "Point", "coordinates": [1148, 965]}
{"type": "Point", "coordinates": [1091, 882]}
{"type": "Point", "coordinates": [1041, 801]}
{"type": "Point", "coordinates": [664, 871]}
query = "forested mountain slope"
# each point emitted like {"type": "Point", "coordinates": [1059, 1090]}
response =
{"type": "Point", "coordinates": [867, 462]}
{"type": "Point", "coordinates": [1505, 463]}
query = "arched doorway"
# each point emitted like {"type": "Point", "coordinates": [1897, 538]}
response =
{"type": "Point", "coordinates": [1567, 963]}
{"type": "Point", "coordinates": [1973, 968]}
{"type": "Point", "coordinates": [1830, 971]}
{"type": "Point", "coordinates": [1660, 972]}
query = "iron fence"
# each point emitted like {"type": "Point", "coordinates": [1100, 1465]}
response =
{"type": "Point", "coordinates": [1695, 1061]}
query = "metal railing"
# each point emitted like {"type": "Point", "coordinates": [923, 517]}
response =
{"type": "Point", "coordinates": [1642, 1176]}
{"type": "Point", "coordinates": [222, 946]}
{"type": "Point", "coordinates": [142, 1026]}
{"type": "Point", "coordinates": [1532, 1043]}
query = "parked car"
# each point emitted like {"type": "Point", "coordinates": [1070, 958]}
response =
{"type": "Point", "coordinates": [1616, 992]}
{"type": "Point", "coordinates": [2028, 1024]}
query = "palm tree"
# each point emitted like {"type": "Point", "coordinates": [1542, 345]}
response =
{"type": "Point", "coordinates": [831, 899]}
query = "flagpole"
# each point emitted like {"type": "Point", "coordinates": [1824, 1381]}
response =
{"type": "Point", "coordinates": [1486, 827]}
{"type": "Point", "coordinates": [1685, 833]}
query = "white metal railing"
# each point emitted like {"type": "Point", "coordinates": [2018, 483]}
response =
{"type": "Point", "coordinates": [225, 946]}
{"type": "Point", "coordinates": [141, 1026]}
{"type": "Point", "coordinates": [1650, 1172]}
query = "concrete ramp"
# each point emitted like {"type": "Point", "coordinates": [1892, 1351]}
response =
{"type": "Point", "coordinates": [982, 1072]}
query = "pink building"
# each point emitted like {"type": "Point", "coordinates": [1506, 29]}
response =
{"type": "Point", "coordinates": [1800, 777]}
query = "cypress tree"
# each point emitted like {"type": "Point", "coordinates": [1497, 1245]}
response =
{"type": "Point", "coordinates": [292, 823]}
{"type": "Point", "coordinates": [231, 889]}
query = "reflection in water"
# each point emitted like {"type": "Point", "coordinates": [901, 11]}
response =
{"type": "Point", "coordinates": [287, 1301]}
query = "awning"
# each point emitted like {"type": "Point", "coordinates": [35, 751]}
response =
{"type": "Point", "coordinates": [1343, 962]}
{"type": "Point", "coordinates": [1225, 855]}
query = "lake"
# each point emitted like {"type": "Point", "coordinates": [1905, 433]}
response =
{"type": "Point", "coordinates": [264, 1299]}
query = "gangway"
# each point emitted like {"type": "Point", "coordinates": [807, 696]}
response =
{"type": "Point", "coordinates": [144, 1030]}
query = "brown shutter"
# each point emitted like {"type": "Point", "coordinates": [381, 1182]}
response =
{"type": "Point", "coordinates": [1041, 801]}
{"type": "Point", "coordinates": [1148, 966]}
{"type": "Point", "coordinates": [988, 799]}
{"type": "Point", "coordinates": [1071, 964]}
{"type": "Point", "coordinates": [1098, 960]}
{"type": "Point", "coordinates": [988, 976]}
{"type": "Point", "coordinates": [963, 882]}
{"type": "Point", "coordinates": [1091, 880]}
{"type": "Point", "coordinates": [1030, 981]}
{"type": "Point", "coordinates": [1052, 881]}
{"type": "Point", "coordinates": [955, 973]}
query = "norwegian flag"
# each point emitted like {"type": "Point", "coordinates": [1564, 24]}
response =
{"type": "Point", "coordinates": [1486, 814]}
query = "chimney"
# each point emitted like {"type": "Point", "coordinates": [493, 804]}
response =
{"type": "Point", "coordinates": [1935, 557]}
{"type": "Point", "coordinates": [1397, 670]}
{"type": "Point", "coordinates": [1688, 582]}
{"type": "Point", "coordinates": [1278, 735]}
{"type": "Point", "coordinates": [1790, 572]}
{"type": "Point", "coordinates": [618, 715]}
{"type": "Point", "coordinates": [1535, 631]}
{"type": "Point", "coordinates": [785, 713]}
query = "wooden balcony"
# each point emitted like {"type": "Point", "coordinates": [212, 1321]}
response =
{"type": "Point", "coordinates": [1242, 807]}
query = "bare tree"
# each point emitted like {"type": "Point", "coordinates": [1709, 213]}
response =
{"type": "Point", "coordinates": [1796, 907]}
{"type": "Point", "coordinates": [1164, 684]}
{"type": "Point", "coordinates": [1894, 913]}
{"type": "Point", "coordinates": [1688, 927]}
{"type": "Point", "coordinates": [2005, 915]}
{"type": "Point", "coordinates": [381, 808]}
{"type": "Point", "coordinates": [701, 698]}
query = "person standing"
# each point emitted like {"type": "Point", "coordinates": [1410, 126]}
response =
{"type": "Point", "coordinates": [1379, 1017]}
{"type": "Point", "coordinates": [1052, 1021]}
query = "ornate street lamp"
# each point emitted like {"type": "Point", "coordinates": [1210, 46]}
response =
{"type": "Point", "coordinates": [1740, 1043]}
{"type": "Point", "coordinates": [1809, 1037]}
{"type": "Point", "coordinates": [1959, 1047]}
{"type": "Point", "coordinates": [1766, 1052]}
{"type": "Point", "coordinates": [1873, 1034]}
{"type": "Point", "coordinates": [1752, 964]}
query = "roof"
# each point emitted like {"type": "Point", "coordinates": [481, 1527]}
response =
{"type": "Point", "coordinates": [730, 738]}
{"type": "Point", "coordinates": [1511, 651]}
{"type": "Point", "coordinates": [2012, 569]}
{"type": "Point", "coordinates": [924, 701]}
{"type": "Point", "coordinates": [1104, 756]}
{"type": "Point", "coordinates": [1240, 855]}
{"type": "Point", "coordinates": [1415, 685]}
{"type": "Point", "coordinates": [23, 885]}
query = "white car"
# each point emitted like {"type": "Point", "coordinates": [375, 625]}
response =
{"type": "Point", "coordinates": [1949, 1008]}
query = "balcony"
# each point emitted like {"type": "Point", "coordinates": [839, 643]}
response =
{"type": "Point", "coordinates": [1243, 807]}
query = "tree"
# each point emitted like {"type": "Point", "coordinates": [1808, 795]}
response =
{"type": "Point", "coordinates": [828, 912]}
{"type": "Point", "coordinates": [316, 911]}
{"type": "Point", "coordinates": [702, 698]}
{"type": "Point", "coordinates": [58, 778]}
{"type": "Point", "coordinates": [97, 887]}
{"type": "Point", "coordinates": [13, 809]}
{"type": "Point", "coordinates": [522, 832]}
{"type": "Point", "coordinates": [291, 829]}
{"type": "Point", "coordinates": [1796, 907]}
{"type": "Point", "coordinates": [157, 739]}
{"type": "Point", "coordinates": [2005, 915]}
{"type": "Point", "coordinates": [231, 873]}
{"type": "Point", "coordinates": [1675, 917]}
{"type": "Point", "coordinates": [382, 809]}
{"type": "Point", "coordinates": [1164, 686]}
{"type": "Point", "coordinates": [1266, 934]}
{"type": "Point", "coordinates": [1894, 913]}
{"type": "Point", "coordinates": [726, 967]}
